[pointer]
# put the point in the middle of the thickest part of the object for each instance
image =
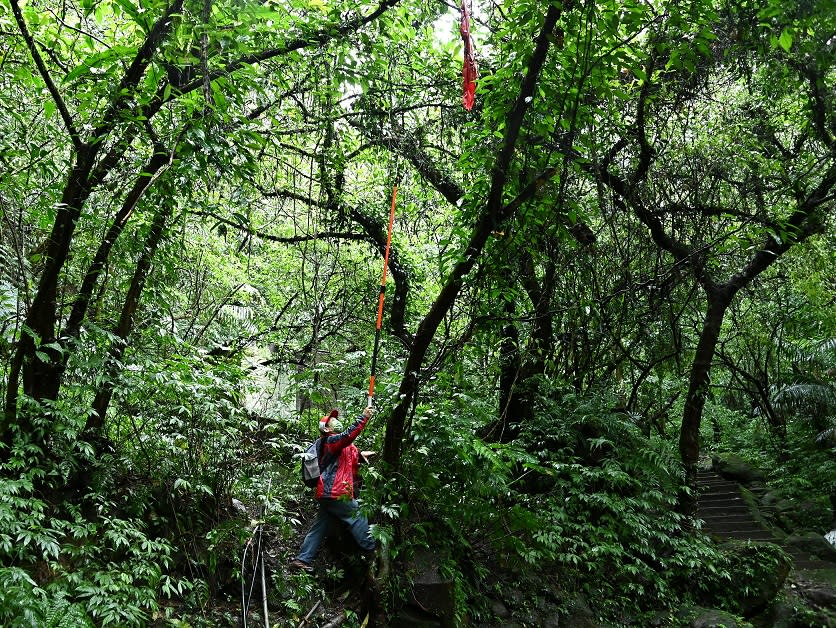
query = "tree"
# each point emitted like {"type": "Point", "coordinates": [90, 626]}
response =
{"type": "Point", "coordinates": [730, 216]}
{"type": "Point", "coordinates": [113, 128]}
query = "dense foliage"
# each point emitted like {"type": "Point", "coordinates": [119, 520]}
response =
{"type": "Point", "coordinates": [620, 261]}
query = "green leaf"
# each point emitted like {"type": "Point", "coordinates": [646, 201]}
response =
{"type": "Point", "coordinates": [97, 60]}
{"type": "Point", "coordinates": [785, 40]}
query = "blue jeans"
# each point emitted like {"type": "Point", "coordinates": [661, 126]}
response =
{"type": "Point", "coordinates": [331, 511]}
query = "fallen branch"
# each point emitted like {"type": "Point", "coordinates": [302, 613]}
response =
{"type": "Point", "coordinates": [310, 614]}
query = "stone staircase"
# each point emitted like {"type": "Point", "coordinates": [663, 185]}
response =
{"type": "Point", "coordinates": [727, 516]}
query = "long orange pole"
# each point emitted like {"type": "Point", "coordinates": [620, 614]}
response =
{"type": "Point", "coordinates": [382, 294]}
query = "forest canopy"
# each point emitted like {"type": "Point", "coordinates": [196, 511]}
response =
{"type": "Point", "coordinates": [618, 263]}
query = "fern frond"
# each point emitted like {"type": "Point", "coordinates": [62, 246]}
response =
{"type": "Point", "coordinates": [797, 396]}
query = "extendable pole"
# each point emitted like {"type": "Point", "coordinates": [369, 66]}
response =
{"type": "Point", "coordinates": [382, 294]}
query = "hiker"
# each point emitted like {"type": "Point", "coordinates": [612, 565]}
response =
{"type": "Point", "coordinates": [335, 491]}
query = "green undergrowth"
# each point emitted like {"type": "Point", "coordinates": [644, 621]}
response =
{"type": "Point", "coordinates": [76, 563]}
{"type": "Point", "coordinates": [582, 495]}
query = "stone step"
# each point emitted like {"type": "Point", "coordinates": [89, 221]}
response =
{"type": "Point", "coordinates": [711, 477]}
{"type": "Point", "coordinates": [735, 503]}
{"type": "Point", "coordinates": [731, 504]}
{"type": "Point", "coordinates": [723, 485]}
{"type": "Point", "coordinates": [731, 487]}
{"type": "Point", "coordinates": [721, 526]}
{"type": "Point", "coordinates": [720, 495]}
{"type": "Point", "coordinates": [720, 498]}
{"type": "Point", "coordinates": [810, 564]}
{"type": "Point", "coordinates": [720, 491]}
{"type": "Point", "coordinates": [716, 504]}
{"type": "Point", "coordinates": [730, 520]}
{"type": "Point", "coordinates": [718, 481]}
{"type": "Point", "coordinates": [711, 490]}
{"type": "Point", "coordinates": [741, 535]}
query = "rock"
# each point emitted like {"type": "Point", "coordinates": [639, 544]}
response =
{"type": "Point", "coordinates": [515, 598]}
{"type": "Point", "coordinates": [499, 609]}
{"type": "Point", "coordinates": [758, 571]}
{"type": "Point", "coordinates": [435, 595]}
{"type": "Point", "coordinates": [430, 591]}
{"type": "Point", "coordinates": [409, 617]}
{"type": "Point", "coordinates": [821, 596]}
{"type": "Point", "coordinates": [813, 543]}
{"type": "Point", "coordinates": [699, 617]}
{"type": "Point", "coordinates": [551, 621]}
{"type": "Point", "coordinates": [830, 537]}
{"type": "Point", "coordinates": [239, 507]}
{"type": "Point", "coordinates": [580, 614]}
{"type": "Point", "coordinates": [771, 498]}
{"type": "Point", "coordinates": [779, 615]}
{"type": "Point", "coordinates": [733, 467]}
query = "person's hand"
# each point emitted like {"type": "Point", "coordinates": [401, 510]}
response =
{"type": "Point", "coordinates": [368, 412]}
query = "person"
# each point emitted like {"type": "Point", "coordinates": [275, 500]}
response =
{"type": "Point", "coordinates": [335, 491]}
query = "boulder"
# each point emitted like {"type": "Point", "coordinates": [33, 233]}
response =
{"type": "Point", "coordinates": [409, 617]}
{"type": "Point", "coordinates": [812, 543]}
{"type": "Point", "coordinates": [733, 467]}
{"type": "Point", "coordinates": [758, 571]}
{"type": "Point", "coordinates": [771, 498]}
{"type": "Point", "coordinates": [821, 596]}
{"type": "Point", "coordinates": [499, 609]}
{"type": "Point", "coordinates": [432, 593]}
{"type": "Point", "coordinates": [580, 614]}
{"type": "Point", "coordinates": [699, 617]}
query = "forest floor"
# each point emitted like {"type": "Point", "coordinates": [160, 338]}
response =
{"type": "Point", "coordinates": [337, 591]}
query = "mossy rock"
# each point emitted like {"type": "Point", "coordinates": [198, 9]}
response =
{"type": "Point", "coordinates": [758, 572]}
{"type": "Point", "coordinates": [813, 543]}
{"type": "Point", "coordinates": [701, 617]}
{"type": "Point", "coordinates": [733, 467]}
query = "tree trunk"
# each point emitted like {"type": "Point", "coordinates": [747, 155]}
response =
{"type": "Point", "coordinates": [494, 214]}
{"type": "Point", "coordinates": [510, 367]}
{"type": "Point", "coordinates": [39, 365]}
{"type": "Point", "coordinates": [144, 180]}
{"type": "Point", "coordinates": [689, 437]}
{"type": "Point", "coordinates": [95, 420]}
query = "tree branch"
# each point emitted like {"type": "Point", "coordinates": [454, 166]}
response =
{"type": "Point", "coordinates": [318, 38]}
{"type": "Point", "coordinates": [50, 85]}
{"type": "Point", "coordinates": [493, 213]}
{"type": "Point", "coordinates": [269, 237]}
{"type": "Point", "coordinates": [137, 68]}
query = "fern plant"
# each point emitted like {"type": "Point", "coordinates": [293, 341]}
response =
{"type": "Point", "coordinates": [812, 391]}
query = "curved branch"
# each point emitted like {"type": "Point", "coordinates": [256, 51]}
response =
{"type": "Point", "coordinates": [514, 119]}
{"type": "Point", "coordinates": [269, 237]}
{"type": "Point", "coordinates": [493, 214]}
{"type": "Point", "coordinates": [316, 39]}
{"type": "Point", "coordinates": [136, 69]}
{"type": "Point", "coordinates": [50, 85]}
{"type": "Point", "coordinates": [152, 170]}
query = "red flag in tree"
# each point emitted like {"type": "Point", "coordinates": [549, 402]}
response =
{"type": "Point", "coordinates": [469, 71]}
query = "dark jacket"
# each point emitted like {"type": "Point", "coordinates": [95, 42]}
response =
{"type": "Point", "coordinates": [339, 460]}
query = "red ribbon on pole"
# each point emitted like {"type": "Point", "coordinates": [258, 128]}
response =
{"type": "Point", "coordinates": [469, 69]}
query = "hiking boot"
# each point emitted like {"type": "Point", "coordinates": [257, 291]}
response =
{"type": "Point", "coordinates": [301, 565]}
